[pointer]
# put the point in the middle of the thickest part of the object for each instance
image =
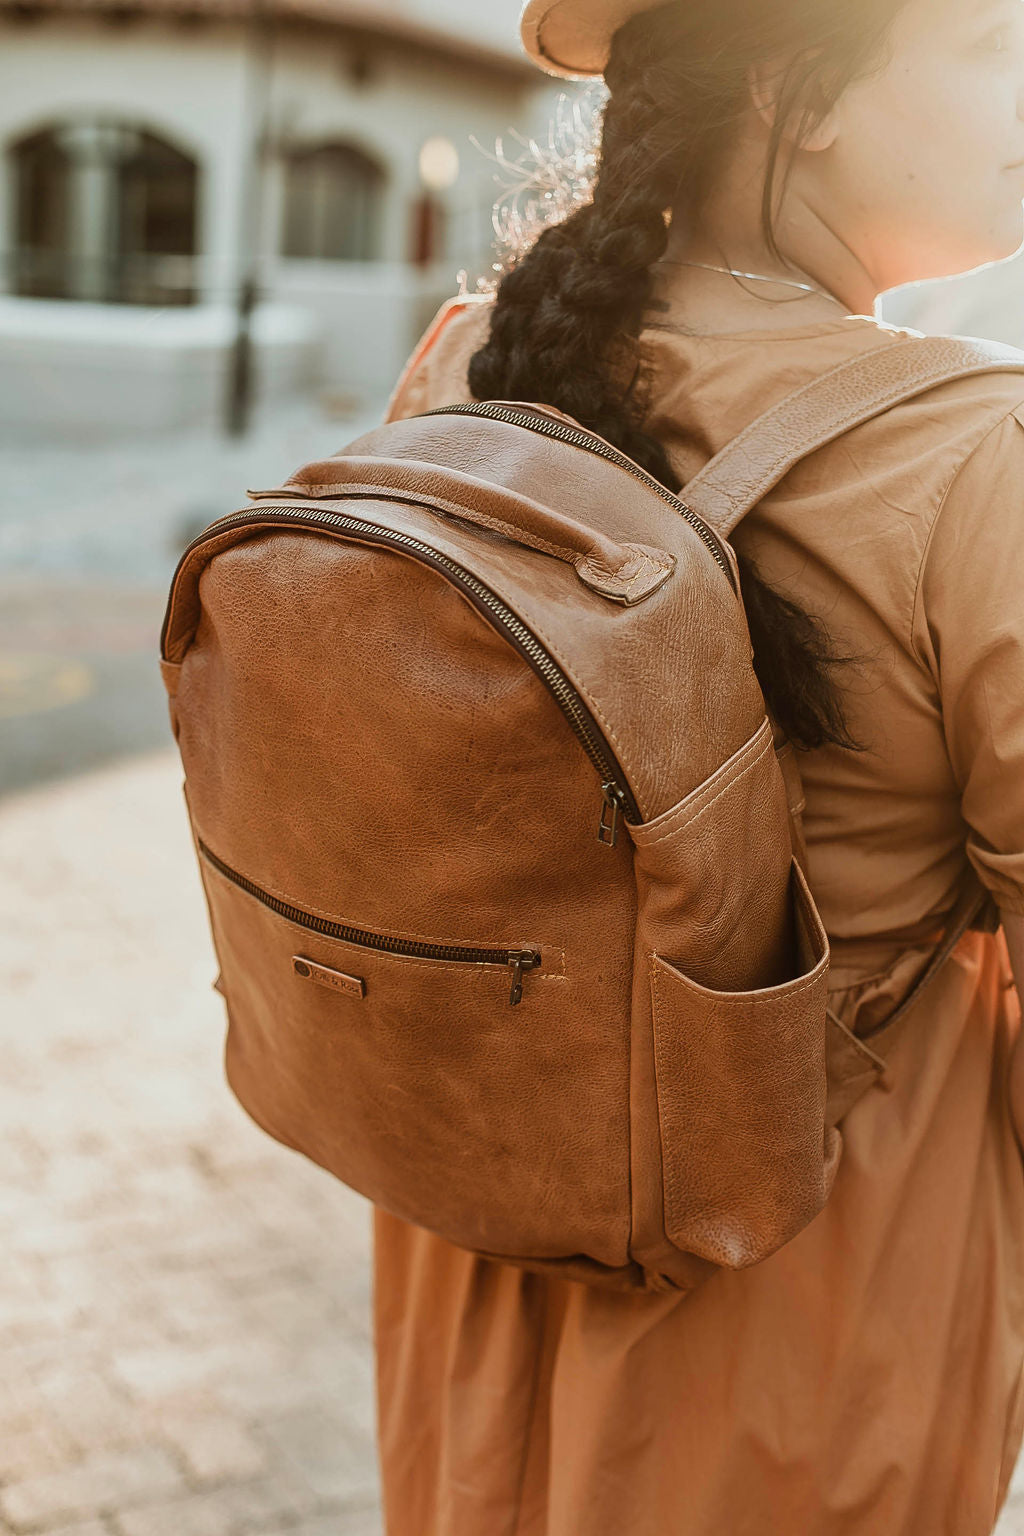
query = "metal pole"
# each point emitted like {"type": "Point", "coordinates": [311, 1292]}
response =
{"type": "Point", "coordinates": [240, 372]}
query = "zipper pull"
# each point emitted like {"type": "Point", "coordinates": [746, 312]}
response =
{"type": "Point", "coordinates": [614, 801]}
{"type": "Point", "coordinates": [520, 960]}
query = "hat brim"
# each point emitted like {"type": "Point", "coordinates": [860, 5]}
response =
{"type": "Point", "coordinates": [573, 38]}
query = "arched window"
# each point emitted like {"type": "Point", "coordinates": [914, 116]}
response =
{"type": "Point", "coordinates": [103, 210]}
{"type": "Point", "coordinates": [332, 202]}
{"type": "Point", "coordinates": [41, 173]}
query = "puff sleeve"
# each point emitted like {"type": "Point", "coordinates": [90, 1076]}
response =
{"type": "Point", "coordinates": [969, 632]}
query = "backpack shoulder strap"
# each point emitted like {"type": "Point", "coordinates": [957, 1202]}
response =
{"type": "Point", "coordinates": [853, 392]}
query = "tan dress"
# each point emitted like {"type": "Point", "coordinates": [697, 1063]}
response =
{"type": "Point", "coordinates": [867, 1379]}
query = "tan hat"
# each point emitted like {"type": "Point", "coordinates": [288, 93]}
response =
{"type": "Point", "coordinates": [574, 37]}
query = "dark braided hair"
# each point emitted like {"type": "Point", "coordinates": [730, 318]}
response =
{"type": "Point", "coordinates": [568, 313]}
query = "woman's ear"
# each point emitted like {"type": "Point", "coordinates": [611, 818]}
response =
{"type": "Point", "coordinates": [765, 82]}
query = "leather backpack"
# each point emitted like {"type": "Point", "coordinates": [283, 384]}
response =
{"type": "Point", "coordinates": [501, 849]}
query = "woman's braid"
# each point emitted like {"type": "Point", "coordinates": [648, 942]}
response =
{"type": "Point", "coordinates": [568, 313]}
{"type": "Point", "coordinates": [565, 314]}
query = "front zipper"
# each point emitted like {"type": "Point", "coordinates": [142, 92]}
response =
{"type": "Point", "coordinates": [517, 961]}
{"type": "Point", "coordinates": [614, 786]}
{"type": "Point", "coordinates": [579, 437]}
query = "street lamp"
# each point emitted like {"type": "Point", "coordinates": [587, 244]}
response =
{"type": "Point", "coordinates": [439, 171]}
{"type": "Point", "coordinates": [259, 44]}
{"type": "Point", "coordinates": [439, 164]}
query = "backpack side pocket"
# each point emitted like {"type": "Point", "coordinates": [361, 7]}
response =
{"type": "Point", "coordinates": [731, 1153]}
{"type": "Point", "coordinates": [741, 1088]}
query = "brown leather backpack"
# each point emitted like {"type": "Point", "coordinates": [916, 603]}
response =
{"type": "Point", "coordinates": [498, 842]}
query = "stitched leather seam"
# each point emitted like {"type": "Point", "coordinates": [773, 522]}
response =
{"type": "Point", "coordinates": [431, 502]}
{"type": "Point", "coordinates": [894, 396]}
{"type": "Point", "coordinates": [689, 819]}
{"type": "Point", "coordinates": [783, 990]}
{"type": "Point", "coordinates": [724, 775]}
{"type": "Point", "coordinates": [757, 427]}
{"type": "Point", "coordinates": [752, 490]}
{"type": "Point", "coordinates": [669, 1176]}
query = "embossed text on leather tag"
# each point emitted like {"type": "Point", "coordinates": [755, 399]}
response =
{"type": "Point", "coordinates": [325, 977]}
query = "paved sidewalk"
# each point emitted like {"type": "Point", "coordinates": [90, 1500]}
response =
{"type": "Point", "coordinates": [184, 1305]}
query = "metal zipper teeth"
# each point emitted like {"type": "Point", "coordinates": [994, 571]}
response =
{"type": "Point", "coordinates": [580, 438]}
{"type": "Point", "coordinates": [362, 936]}
{"type": "Point", "coordinates": [544, 665]}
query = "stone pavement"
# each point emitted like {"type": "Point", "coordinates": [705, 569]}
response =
{"type": "Point", "coordinates": [184, 1304]}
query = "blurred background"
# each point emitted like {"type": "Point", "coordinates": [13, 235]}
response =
{"type": "Point", "coordinates": [223, 225]}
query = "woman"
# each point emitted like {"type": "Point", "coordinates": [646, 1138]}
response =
{"type": "Point", "coordinates": [866, 1380]}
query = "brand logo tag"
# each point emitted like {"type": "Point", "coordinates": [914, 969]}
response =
{"type": "Point", "coordinates": [325, 977]}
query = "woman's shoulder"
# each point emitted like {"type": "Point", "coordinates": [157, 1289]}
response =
{"type": "Point", "coordinates": [957, 417]}
{"type": "Point", "coordinates": [968, 422]}
{"type": "Point", "coordinates": [436, 372]}
{"type": "Point", "coordinates": [705, 390]}
{"type": "Point", "coordinates": [976, 401]}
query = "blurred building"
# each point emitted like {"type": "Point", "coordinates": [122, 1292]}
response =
{"type": "Point", "coordinates": [156, 154]}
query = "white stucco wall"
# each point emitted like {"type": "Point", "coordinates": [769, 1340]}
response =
{"type": "Point", "coordinates": [187, 86]}
{"type": "Point", "coordinates": [190, 85]}
{"type": "Point", "coordinates": [86, 371]}
{"type": "Point", "coordinates": [495, 22]}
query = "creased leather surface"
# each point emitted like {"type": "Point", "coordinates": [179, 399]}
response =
{"type": "Point", "coordinates": [731, 989]}
{"type": "Point", "coordinates": [624, 572]}
{"type": "Point", "coordinates": [759, 1058]}
{"type": "Point", "coordinates": [366, 747]}
{"type": "Point", "coordinates": [682, 654]}
{"type": "Point", "coordinates": [362, 744]}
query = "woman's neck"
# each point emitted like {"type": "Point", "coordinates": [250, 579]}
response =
{"type": "Point", "coordinates": [715, 303]}
{"type": "Point", "coordinates": [729, 233]}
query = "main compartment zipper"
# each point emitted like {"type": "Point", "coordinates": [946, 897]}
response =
{"type": "Point", "coordinates": [579, 437]}
{"type": "Point", "coordinates": [618, 798]}
{"type": "Point", "coordinates": [517, 961]}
